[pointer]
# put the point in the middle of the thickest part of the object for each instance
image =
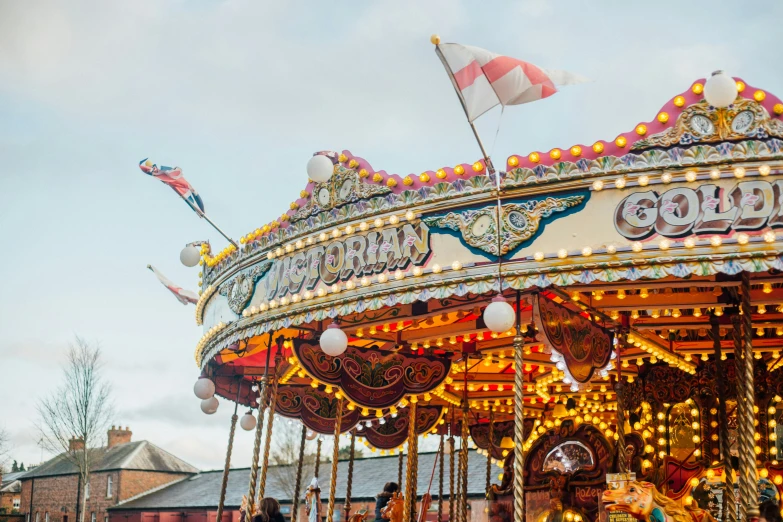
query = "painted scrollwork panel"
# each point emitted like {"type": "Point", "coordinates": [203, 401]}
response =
{"type": "Point", "coordinates": [664, 384]}
{"type": "Point", "coordinates": [521, 221]}
{"type": "Point", "coordinates": [345, 186]}
{"type": "Point", "coordinates": [394, 432]}
{"type": "Point", "coordinates": [239, 289]}
{"type": "Point", "coordinates": [701, 123]}
{"type": "Point", "coordinates": [373, 378]}
{"type": "Point", "coordinates": [579, 345]}
{"type": "Point", "coordinates": [315, 408]}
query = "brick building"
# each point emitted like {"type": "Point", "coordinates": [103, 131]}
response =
{"type": "Point", "coordinates": [10, 492]}
{"type": "Point", "coordinates": [124, 469]}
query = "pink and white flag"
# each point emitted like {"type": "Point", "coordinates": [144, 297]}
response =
{"type": "Point", "coordinates": [183, 296]}
{"type": "Point", "coordinates": [483, 79]}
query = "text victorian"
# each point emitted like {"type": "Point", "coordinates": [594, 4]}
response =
{"type": "Point", "coordinates": [345, 258]}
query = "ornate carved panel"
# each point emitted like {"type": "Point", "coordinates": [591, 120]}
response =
{"type": "Point", "coordinates": [394, 432]}
{"type": "Point", "coordinates": [372, 377]}
{"type": "Point", "coordinates": [701, 123]}
{"type": "Point", "coordinates": [315, 408]}
{"type": "Point", "coordinates": [521, 221]}
{"type": "Point", "coordinates": [581, 346]}
{"type": "Point", "coordinates": [239, 289]}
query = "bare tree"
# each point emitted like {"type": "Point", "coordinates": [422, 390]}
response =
{"type": "Point", "coordinates": [74, 419]}
{"type": "Point", "coordinates": [5, 449]}
{"type": "Point", "coordinates": [284, 458]}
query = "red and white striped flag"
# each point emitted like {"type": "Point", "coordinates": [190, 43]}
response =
{"type": "Point", "coordinates": [182, 295]}
{"type": "Point", "coordinates": [483, 79]}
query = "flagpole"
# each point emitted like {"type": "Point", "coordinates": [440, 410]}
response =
{"type": "Point", "coordinates": [490, 168]}
{"type": "Point", "coordinates": [202, 214]}
{"type": "Point", "coordinates": [435, 39]}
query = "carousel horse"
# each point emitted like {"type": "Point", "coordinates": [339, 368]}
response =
{"type": "Point", "coordinates": [643, 502]}
{"type": "Point", "coordinates": [358, 517]}
{"type": "Point", "coordinates": [394, 509]}
{"type": "Point", "coordinates": [313, 501]}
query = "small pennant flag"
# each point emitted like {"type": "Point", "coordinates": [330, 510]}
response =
{"type": "Point", "coordinates": [172, 176]}
{"type": "Point", "coordinates": [484, 79]}
{"type": "Point", "coordinates": [183, 296]}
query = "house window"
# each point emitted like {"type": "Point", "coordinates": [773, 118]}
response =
{"type": "Point", "coordinates": [106, 518]}
{"type": "Point", "coordinates": [17, 503]}
{"type": "Point", "coordinates": [92, 517]}
{"type": "Point", "coordinates": [87, 491]}
{"type": "Point", "coordinates": [37, 517]}
{"type": "Point", "coordinates": [108, 486]}
{"type": "Point", "coordinates": [46, 517]}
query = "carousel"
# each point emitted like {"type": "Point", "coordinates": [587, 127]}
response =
{"type": "Point", "coordinates": [603, 321]}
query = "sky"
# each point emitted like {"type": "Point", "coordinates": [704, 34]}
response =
{"type": "Point", "coordinates": [239, 94]}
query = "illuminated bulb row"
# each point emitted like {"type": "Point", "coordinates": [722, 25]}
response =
{"type": "Point", "coordinates": [212, 332]}
{"type": "Point", "coordinates": [662, 355]}
{"type": "Point", "coordinates": [667, 177]}
{"type": "Point", "coordinates": [336, 233]}
{"type": "Point", "coordinates": [202, 302]}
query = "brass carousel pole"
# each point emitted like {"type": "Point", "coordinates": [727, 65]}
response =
{"type": "Point", "coordinates": [399, 469]}
{"type": "Point", "coordinates": [440, 478]}
{"type": "Point", "coordinates": [231, 433]}
{"type": "Point", "coordinates": [347, 508]}
{"type": "Point", "coordinates": [463, 449]}
{"type": "Point", "coordinates": [317, 456]}
{"type": "Point", "coordinates": [335, 458]}
{"type": "Point", "coordinates": [489, 450]}
{"type": "Point", "coordinates": [271, 416]}
{"type": "Point", "coordinates": [749, 508]}
{"type": "Point", "coordinates": [463, 466]}
{"type": "Point", "coordinates": [410, 487]}
{"type": "Point", "coordinates": [729, 501]}
{"type": "Point", "coordinates": [298, 486]}
{"type": "Point", "coordinates": [451, 467]}
{"type": "Point", "coordinates": [251, 495]}
{"type": "Point", "coordinates": [622, 458]}
{"type": "Point", "coordinates": [519, 421]}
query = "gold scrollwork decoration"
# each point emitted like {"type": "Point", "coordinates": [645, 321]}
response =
{"type": "Point", "coordinates": [343, 187]}
{"type": "Point", "coordinates": [521, 221]}
{"type": "Point", "coordinates": [702, 123]}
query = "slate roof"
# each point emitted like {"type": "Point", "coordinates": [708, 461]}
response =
{"type": "Point", "coordinates": [10, 483]}
{"type": "Point", "coordinates": [369, 476]}
{"type": "Point", "coordinates": [139, 456]}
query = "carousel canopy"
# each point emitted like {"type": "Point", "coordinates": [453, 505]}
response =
{"type": "Point", "coordinates": [631, 245]}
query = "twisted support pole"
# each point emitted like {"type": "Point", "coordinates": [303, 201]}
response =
{"type": "Point", "coordinates": [451, 474]}
{"type": "Point", "coordinates": [347, 507]}
{"type": "Point", "coordinates": [335, 457]}
{"type": "Point", "coordinates": [622, 457]}
{"type": "Point", "coordinates": [298, 486]}
{"type": "Point", "coordinates": [230, 448]}
{"type": "Point", "coordinates": [463, 466]}
{"type": "Point", "coordinates": [489, 450]}
{"type": "Point", "coordinates": [268, 443]}
{"type": "Point", "coordinates": [399, 469]}
{"type": "Point", "coordinates": [440, 478]}
{"type": "Point", "coordinates": [519, 422]}
{"type": "Point", "coordinates": [410, 486]}
{"type": "Point", "coordinates": [251, 494]}
{"type": "Point", "coordinates": [729, 501]}
{"type": "Point", "coordinates": [318, 456]}
{"type": "Point", "coordinates": [746, 396]}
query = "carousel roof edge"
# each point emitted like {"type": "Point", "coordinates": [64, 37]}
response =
{"type": "Point", "coordinates": [357, 191]}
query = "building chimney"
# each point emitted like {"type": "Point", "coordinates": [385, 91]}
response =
{"type": "Point", "coordinates": [118, 435]}
{"type": "Point", "coordinates": [75, 444]}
